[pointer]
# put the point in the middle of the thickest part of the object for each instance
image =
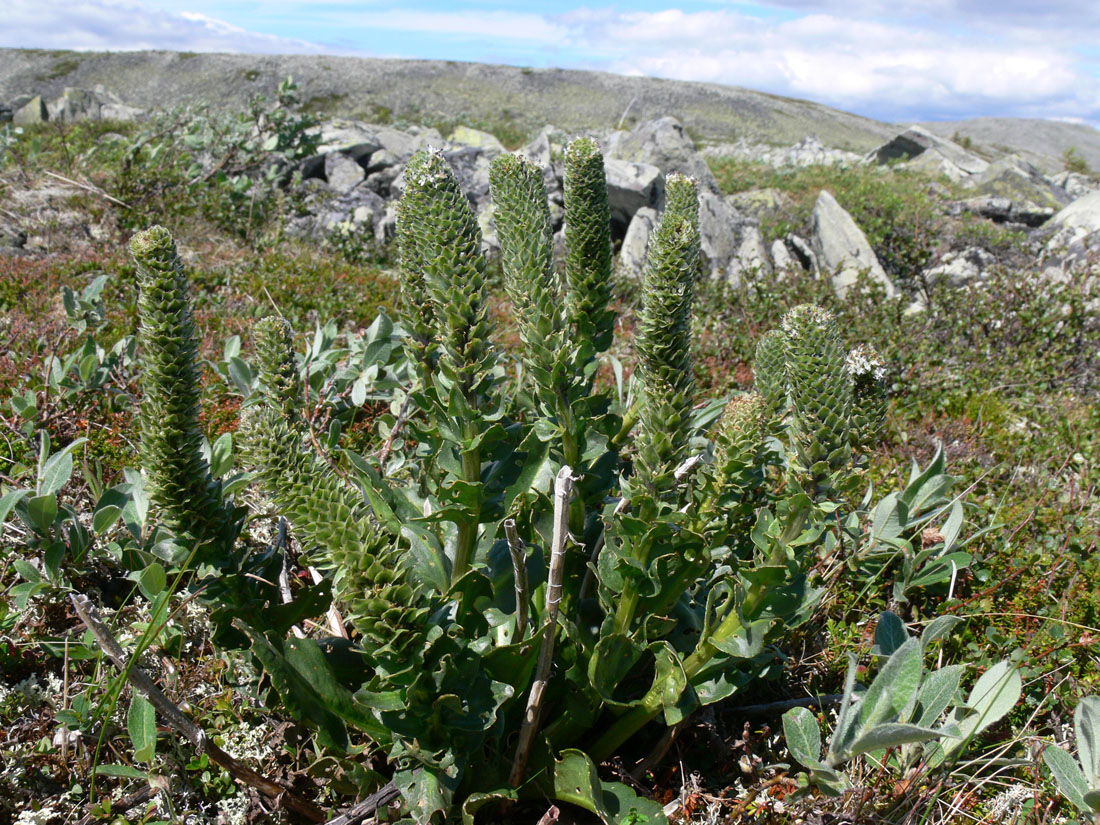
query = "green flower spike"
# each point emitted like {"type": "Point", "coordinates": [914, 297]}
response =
{"type": "Point", "coordinates": [279, 384]}
{"type": "Point", "coordinates": [664, 336]}
{"type": "Point", "coordinates": [336, 528]}
{"type": "Point", "coordinates": [180, 487]}
{"type": "Point", "coordinates": [442, 242]}
{"type": "Point", "coordinates": [522, 216]}
{"type": "Point", "coordinates": [868, 373]}
{"type": "Point", "coordinates": [821, 394]}
{"type": "Point", "coordinates": [588, 245]}
{"type": "Point", "coordinates": [770, 375]}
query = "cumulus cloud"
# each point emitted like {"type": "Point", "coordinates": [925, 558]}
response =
{"type": "Point", "coordinates": [121, 25]}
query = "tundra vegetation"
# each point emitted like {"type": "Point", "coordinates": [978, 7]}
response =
{"type": "Point", "coordinates": [473, 537]}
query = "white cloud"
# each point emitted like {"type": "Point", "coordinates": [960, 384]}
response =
{"type": "Point", "coordinates": [121, 25]}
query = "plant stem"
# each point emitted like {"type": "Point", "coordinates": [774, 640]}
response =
{"type": "Point", "coordinates": [467, 530]}
{"type": "Point", "coordinates": [563, 487]}
{"type": "Point", "coordinates": [630, 723]}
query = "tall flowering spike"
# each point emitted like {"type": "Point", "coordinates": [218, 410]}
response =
{"type": "Point", "coordinates": [336, 528]}
{"type": "Point", "coordinates": [770, 373]}
{"type": "Point", "coordinates": [417, 313]}
{"type": "Point", "coordinates": [664, 339]}
{"type": "Point", "coordinates": [868, 373]}
{"type": "Point", "coordinates": [442, 240]}
{"type": "Point", "coordinates": [740, 432]}
{"type": "Point", "coordinates": [821, 394]}
{"type": "Point", "coordinates": [522, 216]}
{"type": "Point", "coordinates": [279, 384]}
{"type": "Point", "coordinates": [682, 197]}
{"type": "Point", "coordinates": [180, 486]}
{"type": "Point", "coordinates": [588, 244]}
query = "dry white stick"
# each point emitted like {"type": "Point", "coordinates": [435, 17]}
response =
{"type": "Point", "coordinates": [685, 469]}
{"type": "Point", "coordinates": [519, 573]}
{"type": "Point", "coordinates": [89, 188]}
{"type": "Point", "coordinates": [279, 545]}
{"type": "Point", "coordinates": [179, 721]}
{"type": "Point", "coordinates": [563, 488]}
{"type": "Point", "coordinates": [335, 621]}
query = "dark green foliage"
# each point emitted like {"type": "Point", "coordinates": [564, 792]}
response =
{"type": "Point", "coordinates": [588, 245]}
{"type": "Point", "coordinates": [664, 337]}
{"type": "Point", "coordinates": [821, 394]}
{"type": "Point", "coordinates": [179, 481]}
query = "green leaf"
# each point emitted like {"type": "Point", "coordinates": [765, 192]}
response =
{"type": "Point", "coordinates": [425, 791]}
{"type": "Point", "coordinates": [803, 736]}
{"type": "Point", "coordinates": [27, 570]}
{"type": "Point", "coordinates": [891, 516]}
{"type": "Point", "coordinates": [937, 629]}
{"type": "Point", "coordinates": [890, 634]}
{"type": "Point", "coordinates": [141, 724]}
{"type": "Point", "coordinates": [301, 698]}
{"type": "Point", "coordinates": [613, 658]}
{"type": "Point", "coordinates": [7, 504]}
{"type": "Point", "coordinates": [1067, 773]}
{"type": "Point", "coordinates": [124, 771]}
{"type": "Point", "coordinates": [939, 570]}
{"type": "Point", "coordinates": [1086, 723]}
{"type": "Point", "coordinates": [476, 801]}
{"type": "Point", "coordinates": [994, 694]}
{"type": "Point", "coordinates": [894, 689]}
{"type": "Point", "coordinates": [937, 692]}
{"type": "Point", "coordinates": [42, 510]}
{"type": "Point", "coordinates": [151, 581]}
{"type": "Point", "coordinates": [57, 469]}
{"type": "Point", "coordinates": [952, 526]}
{"type": "Point", "coordinates": [577, 782]}
{"type": "Point", "coordinates": [221, 455]}
{"type": "Point", "coordinates": [892, 735]}
{"type": "Point", "coordinates": [104, 517]}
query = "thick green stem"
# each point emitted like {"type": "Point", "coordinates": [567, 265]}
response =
{"type": "Point", "coordinates": [630, 723]}
{"type": "Point", "coordinates": [467, 530]}
{"type": "Point", "coordinates": [628, 599]}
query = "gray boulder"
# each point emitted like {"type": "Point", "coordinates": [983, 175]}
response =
{"type": "Point", "coordinates": [1004, 210]}
{"type": "Point", "coordinates": [961, 268]}
{"type": "Point", "coordinates": [842, 249]}
{"type": "Point", "coordinates": [782, 260]}
{"type": "Point", "coordinates": [662, 143]}
{"type": "Point", "coordinates": [339, 135]}
{"type": "Point", "coordinates": [1075, 184]}
{"type": "Point", "coordinates": [803, 252]}
{"type": "Point", "coordinates": [1017, 180]}
{"type": "Point", "coordinates": [636, 243]}
{"type": "Point", "coordinates": [465, 136]}
{"type": "Point", "coordinates": [1072, 238]}
{"type": "Point", "coordinates": [930, 153]}
{"type": "Point", "coordinates": [31, 112]}
{"type": "Point", "coordinates": [752, 259]}
{"type": "Point", "coordinates": [630, 187]}
{"type": "Point", "coordinates": [342, 172]}
{"type": "Point", "coordinates": [762, 203]}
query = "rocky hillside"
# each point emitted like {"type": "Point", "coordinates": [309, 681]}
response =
{"type": "Point", "coordinates": [433, 92]}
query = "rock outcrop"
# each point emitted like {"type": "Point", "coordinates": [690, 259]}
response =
{"type": "Point", "coordinates": [842, 250]}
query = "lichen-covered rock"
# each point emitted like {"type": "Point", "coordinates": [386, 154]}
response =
{"type": "Point", "coordinates": [842, 249]}
{"type": "Point", "coordinates": [630, 187]}
{"type": "Point", "coordinates": [662, 143]}
{"type": "Point", "coordinates": [636, 243]}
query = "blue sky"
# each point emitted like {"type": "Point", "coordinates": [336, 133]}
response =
{"type": "Point", "coordinates": [903, 60]}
